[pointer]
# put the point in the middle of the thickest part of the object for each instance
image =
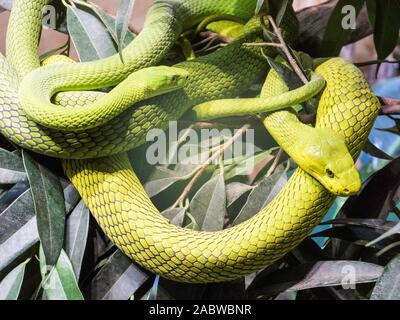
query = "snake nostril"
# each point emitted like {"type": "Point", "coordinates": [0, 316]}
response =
{"type": "Point", "coordinates": [346, 190]}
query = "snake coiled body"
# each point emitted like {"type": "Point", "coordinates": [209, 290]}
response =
{"type": "Point", "coordinates": [115, 196]}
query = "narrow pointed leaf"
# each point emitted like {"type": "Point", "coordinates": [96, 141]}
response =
{"type": "Point", "coordinates": [208, 205]}
{"type": "Point", "coordinates": [374, 151]}
{"type": "Point", "coordinates": [49, 207]}
{"type": "Point", "coordinates": [336, 34]}
{"type": "Point", "coordinates": [10, 286]}
{"type": "Point", "coordinates": [77, 227]}
{"type": "Point", "coordinates": [388, 285]}
{"type": "Point", "coordinates": [118, 279]}
{"type": "Point", "coordinates": [386, 28]}
{"type": "Point", "coordinates": [262, 194]}
{"type": "Point", "coordinates": [60, 283]}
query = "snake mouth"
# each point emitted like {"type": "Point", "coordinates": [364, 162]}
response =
{"type": "Point", "coordinates": [346, 184]}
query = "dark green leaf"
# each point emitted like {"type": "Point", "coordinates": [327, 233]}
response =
{"type": "Point", "coordinates": [235, 190]}
{"type": "Point", "coordinates": [336, 35]}
{"type": "Point", "coordinates": [71, 196]}
{"type": "Point", "coordinates": [49, 206]}
{"type": "Point", "coordinates": [375, 198]}
{"type": "Point", "coordinates": [60, 282]}
{"type": "Point", "coordinates": [77, 227]}
{"type": "Point", "coordinates": [392, 231]}
{"type": "Point", "coordinates": [243, 165]}
{"type": "Point", "coordinates": [18, 231]}
{"type": "Point", "coordinates": [118, 279]}
{"type": "Point", "coordinates": [260, 4]}
{"type": "Point", "coordinates": [282, 10]}
{"type": "Point", "coordinates": [208, 205]}
{"type": "Point", "coordinates": [12, 194]}
{"type": "Point", "coordinates": [11, 168]}
{"type": "Point", "coordinates": [291, 79]}
{"type": "Point", "coordinates": [374, 151]}
{"type": "Point", "coordinates": [262, 194]}
{"type": "Point", "coordinates": [386, 28]}
{"type": "Point", "coordinates": [10, 286]}
{"type": "Point", "coordinates": [161, 178]}
{"type": "Point", "coordinates": [314, 275]}
{"type": "Point", "coordinates": [388, 285]}
{"type": "Point", "coordinates": [371, 7]}
{"type": "Point", "coordinates": [175, 215]}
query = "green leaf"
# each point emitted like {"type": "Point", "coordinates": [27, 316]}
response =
{"type": "Point", "coordinates": [118, 279]}
{"type": "Point", "coordinates": [318, 274]}
{"type": "Point", "coordinates": [371, 7]}
{"type": "Point", "coordinates": [59, 283]}
{"type": "Point", "coordinates": [394, 230]}
{"type": "Point", "coordinates": [242, 165]}
{"type": "Point", "coordinates": [208, 205]}
{"type": "Point", "coordinates": [71, 196]}
{"type": "Point", "coordinates": [11, 167]}
{"type": "Point", "coordinates": [18, 231]}
{"type": "Point", "coordinates": [335, 36]}
{"type": "Point", "coordinates": [49, 206]}
{"type": "Point", "coordinates": [77, 228]}
{"type": "Point", "coordinates": [386, 27]}
{"type": "Point", "coordinates": [89, 35]}
{"type": "Point", "coordinates": [259, 6]}
{"type": "Point", "coordinates": [262, 194]}
{"type": "Point", "coordinates": [175, 215]}
{"type": "Point", "coordinates": [235, 190]}
{"type": "Point", "coordinates": [388, 285]}
{"type": "Point", "coordinates": [290, 78]}
{"type": "Point", "coordinates": [109, 23]}
{"type": "Point", "coordinates": [161, 178]}
{"type": "Point", "coordinates": [374, 151]}
{"type": "Point", "coordinates": [10, 286]}
{"type": "Point", "coordinates": [282, 10]}
{"type": "Point", "coordinates": [124, 14]}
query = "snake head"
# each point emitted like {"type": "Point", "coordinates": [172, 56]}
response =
{"type": "Point", "coordinates": [330, 162]}
{"type": "Point", "coordinates": [162, 79]}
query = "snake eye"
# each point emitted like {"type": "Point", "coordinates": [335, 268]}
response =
{"type": "Point", "coordinates": [330, 173]}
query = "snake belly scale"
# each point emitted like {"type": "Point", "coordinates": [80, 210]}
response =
{"type": "Point", "coordinates": [118, 201]}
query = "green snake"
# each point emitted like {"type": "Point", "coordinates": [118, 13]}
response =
{"type": "Point", "coordinates": [109, 185]}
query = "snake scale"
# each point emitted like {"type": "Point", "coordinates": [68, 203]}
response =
{"type": "Point", "coordinates": [103, 175]}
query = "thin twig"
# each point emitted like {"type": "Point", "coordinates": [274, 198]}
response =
{"type": "Point", "coordinates": [200, 170]}
{"type": "Point", "coordinates": [264, 44]}
{"type": "Point", "coordinates": [275, 163]}
{"type": "Point", "coordinates": [368, 63]}
{"type": "Point", "coordinates": [219, 37]}
{"type": "Point", "coordinates": [287, 52]}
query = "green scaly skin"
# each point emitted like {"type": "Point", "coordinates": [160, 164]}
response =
{"type": "Point", "coordinates": [118, 201]}
{"type": "Point", "coordinates": [225, 73]}
{"type": "Point", "coordinates": [241, 107]}
{"type": "Point", "coordinates": [316, 150]}
{"type": "Point", "coordinates": [140, 85]}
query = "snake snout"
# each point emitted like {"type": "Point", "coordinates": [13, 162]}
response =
{"type": "Point", "coordinates": [351, 183]}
